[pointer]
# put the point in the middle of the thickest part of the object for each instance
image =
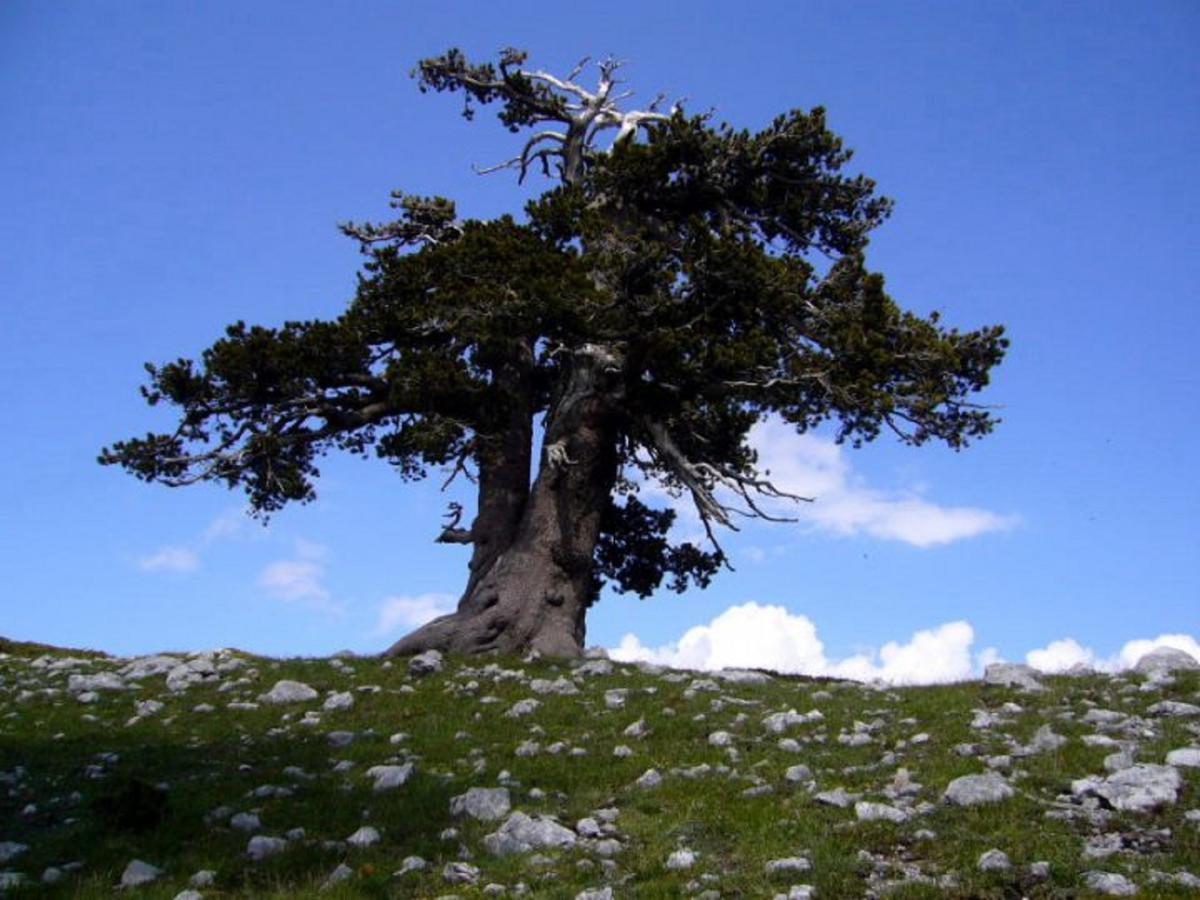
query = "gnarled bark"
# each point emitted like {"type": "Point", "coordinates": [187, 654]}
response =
{"type": "Point", "coordinates": [534, 593]}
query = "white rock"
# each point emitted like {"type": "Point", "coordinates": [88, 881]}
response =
{"type": "Point", "coordinates": [878, 812]}
{"type": "Point", "coordinates": [522, 833]}
{"type": "Point", "coordinates": [615, 699]}
{"type": "Point", "coordinates": [621, 751]}
{"type": "Point", "coordinates": [595, 894]}
{"type": "Point", "coordinates": [189, 894]}
{"type": "Point", "coordinates": [994, 861]}
{"type": "Point", "coordinates": [364, 837]}
{"type": "Point", "coordinates": [1174, 709]}
{"type": "Point", "coordinates": [649, 779]}
{"type": "Point", "coordinates": [561, 686]}
{"type": "Point", "coordinates": [971, 790]}
{"type": "Point", "coordinates": [681, 859]}
{"type": "Point", "coordinates": [261, 846]}
{"type": "Point", "coordinates": [720, 739]}
{"type": "Point", "coordinates": [588, 828]}
{"type": "Point", "coordinates": [410, 864]}
{"type": "Point", "coordinates": [743, 676]}
{"type": "Point", "coordinates": [788, 865]}
{"type": "Point", "coordinates": [1140, 788]}
{"type": "Point", "coordinates": [245, 822]}
{"type": "Point", "coordinates": [138, 872]}
{"type": "Point", "coordinates": [149, 666]}
{"type": "Point", "coordinates": [637, 729]}
{"type": "Point", "coordinates": [101, 681]}
{"type": "Point", "coordinates": [289, 692]}
{"type": "Point", "coordinates": [522, 708]}
{"type": "Point", "coordinates": [1013, 675]}
{"type": "Point", "coordinates": [1110, 883]}
{"type": "Point", "coordinates": [1166, 659]}
{"type": "Point", "coordinates": [484, 804]}
{"type": "Point", "coordinates": [1188, 757]}
{"type": "Point", "coordinates": [459, 872]}
{"type": "Point", "coordinates": [425, 664]}
{"type": "Point", "coordinates": [343, 700]}
{"type": "Point", "coordinates": [203, 878]}
{"type": "Point", "coordinates": [11, 849]}
{"type": "Point", "coordinates": [389, 778]}
{"type": "Point", "coordinates": [798, 773]}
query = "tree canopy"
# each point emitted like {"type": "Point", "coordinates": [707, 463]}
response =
{"type": "Point", "coordinates": [679, 278]}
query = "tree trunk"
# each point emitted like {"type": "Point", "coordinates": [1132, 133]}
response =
{"type": "Point", "coordinates": [534, 593]}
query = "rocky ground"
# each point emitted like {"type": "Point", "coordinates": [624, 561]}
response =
{"type": "Point", "coordinates": [220, 774]}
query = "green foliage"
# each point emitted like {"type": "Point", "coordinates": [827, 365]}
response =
{"type": "Point", "coordinates": [727, 266]}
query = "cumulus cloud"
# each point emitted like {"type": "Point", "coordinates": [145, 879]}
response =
{"type": "Point", "coordinates": [1060, 655]}
{"type": "Point", "coordinates": [408, 612]}
{"type": "Point", "coordinates": [170, 559]}
{"type": "Point", "coordinates": [753, 635]}
{"type": "Point", "coordinates": [813, 466]}
{"type": "Point", "coordinates": [301, 579]}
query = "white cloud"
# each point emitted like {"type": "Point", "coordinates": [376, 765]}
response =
{"type": "Point", "coordinates": [294, 579]}
{"type": "Point", "coordinates": [770, 637]}
{"type": "Point", "coordinates": [410, 612]}
{"type": "Point", "coordinates": [816, 467]}
{"type": "Point", "coordinates": [1060, 655]}
{"type": "Point", "coordinates": [170, 559]}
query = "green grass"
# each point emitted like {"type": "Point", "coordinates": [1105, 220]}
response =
{"type": "Point", "coordinates": [212, 759]}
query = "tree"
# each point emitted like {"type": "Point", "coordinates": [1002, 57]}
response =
{"type": "Point", "coordinates": [675, 284]}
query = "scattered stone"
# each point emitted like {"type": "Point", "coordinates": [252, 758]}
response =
{"type": "Point", "coordinates": [1015, 675]}
{"type": "Point", "coordinates": [410, 864]}
{"type": "Point", "coordinates": [1110, 883]}
{"type": "Point", "coordinates": [561, 686]}
{"type": "Point", "coordinates": [340, 739]}
{"type": "Point", "coordinates": [878, 812]}
{"type": "Point", "coordinates": [595, 894]}
{"type": "Point", "coordinates": [1140, 788]}
{"type": "Point", "coordinates": [389, 778]}
{"type": "Point", "coordinates": [649, 779]}
{"type": "Point", "coordinates": [343, 700]}
{"type": "Point", "coordinates": [1174, 709]}
{"type": "Point", "coordinates": [798, 773]}
{"type": "Point", "coordinates": [261, 846]}
{"type": "Point", "coordinates": [425, 664]}
{"type": "Point", "coordinates": [522, 833]}
{"type": "Point", "coordinates": [459, 872]}
{"type": "Point", "coordinates": [1166, 660]}
{"type": "Point", "coordinates": [720, 739]}
{"type": "Point", "coordinates": [972, 790]}
{"type": "Point", "coordinates": [778, 723]}
{"type": "Point", "coordinates": [101, 681]}
{"type": "Point", "coordinates": [484, 804]}
{"type": "Point", "coordinates": [289, 692]}
{"type": "Point", "coordinates": [637, 729]}
{"type": "Point", "coordinates": [1189, 757]}
{"type": "Point", "coordinates": [188, 895]}
{"type": "Point", "coordinates": [244, 821]}
{"type": "Point", "coordinates": [11, 850]}
{"type": "Point", "coordinates": [364, 837]}
{"type": "Point", "coordinates": [522, 708]}
{"type": "Point", "coordinates": [203, 878]}
{"type": "Point", "coordinates": [837, 797]}
{"type": "Point", "coordinates": [994, 861]}
{"type": "Point", "coordinates": [681, 859]}
{"type": "Point", "coordinates": [788, 865]}
{"type": "Point", "coordinates": [138, 873]}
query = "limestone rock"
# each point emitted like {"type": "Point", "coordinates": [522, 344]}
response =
{"type": "Point", "coordinates": [1110, 883]}
{"type": "Point", "coordinates": [1185, 756]}
{"type": "Point", "coordinates": [1166, 659]}
{"type": "Point", "coordinates": [878, 812]}
{"type": "Point", "coordinates": [972, 790]}
{"type": "Point", "coordinates": [1015, 675]}
{"type": "Point", "coordinates": [364, 837]}
{"type": "Point", "coordinates": [1141, 788]}
{"type": "Point", "coordinates": [138, 872]}
{"type": "Point", "coordinates": [425, 664]}
{"type": "Point", "coordinates": [388, 778]}
{"type": "Point", "coordinates": [522, 833]}
{"type": "Point", "coordinates": [261, 846]}
{"type": "Point", "coordinates": [289, 692]}
{"type": "Point", "coordinates": [484, 804]}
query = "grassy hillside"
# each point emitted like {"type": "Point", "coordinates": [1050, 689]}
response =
{"type": "Point", "coordinates": [93, 777]}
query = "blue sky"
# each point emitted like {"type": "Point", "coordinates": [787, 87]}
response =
{"type": "Point", "coordinates": [168, 168]}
